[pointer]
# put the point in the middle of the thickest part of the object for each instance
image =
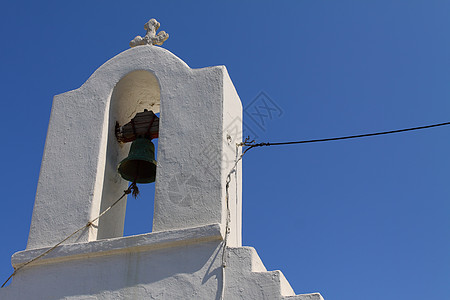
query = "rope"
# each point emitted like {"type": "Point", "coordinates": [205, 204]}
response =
{"type": "Point", "coordinates": [228, 219]}
{"type": "Point", "coordinates": [252, 144]}
{"type": "Point", "coordinates": [131, 188]}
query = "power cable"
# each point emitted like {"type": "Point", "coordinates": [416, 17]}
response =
{"type": "Point", "coordinates": [252, 144]}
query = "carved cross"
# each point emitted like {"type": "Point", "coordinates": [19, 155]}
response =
{"type": "Point", "coordinates": [150, 38]}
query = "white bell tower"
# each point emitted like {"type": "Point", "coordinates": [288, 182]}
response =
{"type": "Point", "coordinates": [194, 251]}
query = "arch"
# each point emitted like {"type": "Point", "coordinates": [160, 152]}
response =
{"type": "Point", "coordinates": [136, 91]}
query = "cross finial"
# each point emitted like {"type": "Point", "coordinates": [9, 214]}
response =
{"type": "Point", "coordinates": [150, 38]}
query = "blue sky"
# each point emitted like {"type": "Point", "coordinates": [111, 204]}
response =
{"type": "Point", "coordinates": [357, 219]}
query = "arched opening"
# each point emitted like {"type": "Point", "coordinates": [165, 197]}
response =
{"type": "Point", "coordinates": [136, 91]}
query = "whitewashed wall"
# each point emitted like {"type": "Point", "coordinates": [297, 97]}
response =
{"type": "Point", "coordinates": [183, 258]}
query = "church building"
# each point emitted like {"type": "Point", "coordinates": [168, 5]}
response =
{"type": "Point", "coordinates": [100, 148]}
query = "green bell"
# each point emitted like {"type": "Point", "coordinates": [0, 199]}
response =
{"type": "Point", "coordinates": [140, 165]}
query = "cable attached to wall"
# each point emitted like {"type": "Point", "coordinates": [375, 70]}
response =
{"type": "Point", "coordinates": [228, 219]}
{"type": "Point", "coordinates": [132, 189]}
{"type": "Point", "coordinates": [252, 144]}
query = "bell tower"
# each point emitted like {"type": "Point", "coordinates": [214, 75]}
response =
{"type": "Point", "coordinates": [194, 250]}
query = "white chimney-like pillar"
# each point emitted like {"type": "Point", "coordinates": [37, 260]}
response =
{"type": "Point", "coordinates": [200, 125]}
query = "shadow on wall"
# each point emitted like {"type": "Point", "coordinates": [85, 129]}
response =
{"type": "Point", "coordinates": [187, 272]}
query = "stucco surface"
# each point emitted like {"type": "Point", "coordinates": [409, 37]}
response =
{"type": "Point", "coordinates": [189, 269]}
{"type": "Point", "coordinates": [78, 174]}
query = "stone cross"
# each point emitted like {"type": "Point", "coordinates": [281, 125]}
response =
{"type": "Point", "coordinates": [150, 38]}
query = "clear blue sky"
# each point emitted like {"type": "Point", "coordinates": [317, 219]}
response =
{"type": "Point", "coordinates": [359, 219]}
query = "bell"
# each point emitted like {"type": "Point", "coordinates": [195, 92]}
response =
{"type": "Point", "coordinates": [140, 165]}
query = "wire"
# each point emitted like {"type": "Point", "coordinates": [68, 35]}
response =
{"type": "Point", "coordinates": [228, 219]}
{"type": "Point", "coordinates": [131, 189]}
{"type": "Point", "coordinates": [253, 145]}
